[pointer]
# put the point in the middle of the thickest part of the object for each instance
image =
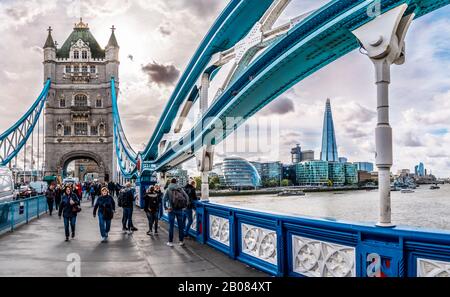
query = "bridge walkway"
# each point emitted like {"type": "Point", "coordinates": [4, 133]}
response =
{"type": "Point", "coordinates": [39, 249]}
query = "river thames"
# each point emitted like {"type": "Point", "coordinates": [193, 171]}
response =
{"type": "Point", "coordinates": [423, 208]}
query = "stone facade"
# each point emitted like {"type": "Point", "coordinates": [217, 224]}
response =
{"type": "Point", "coordinates": [78, 113]}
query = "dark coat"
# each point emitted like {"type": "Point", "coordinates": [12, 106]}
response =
{"type": "Point", "coordinates": [191, 192]}
{"type": "Point", "coordinates": [152, 202]}
{"type": "Point", "coordinates": [50, 194]}
{"type": "Point", "coordinates": [65, 208]}
{"type": "Point", "coordinates": [102, 201]}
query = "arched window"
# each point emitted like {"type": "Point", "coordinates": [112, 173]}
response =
{"type": "Point", "coordinates": [84, 55]}
{"type": "Point", "coordinates": [81, 100]}
{"type": "Point", "coordinates": [84, 69]}
{"type": "Point", "coordinates": [101, 129]}
{"type": "Point", "coordinates": [76, 54]}
{"type": "Point", "coordinates": [59, 130]}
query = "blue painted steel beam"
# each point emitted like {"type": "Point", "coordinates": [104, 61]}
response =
{"type": "Point", "coordinates": [232, 25]}
{"type": "Point", "coordinates": [312, 44]}
{"type": "Point", "coordinates": [37, 105]}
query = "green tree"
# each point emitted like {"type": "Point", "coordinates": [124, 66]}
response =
{"type": "Point", "coordinates": [198, 183]}
{"type": "Point", "coordinates": [285, 183]}
{"type": "Point", "coordinates": [330, 183]}
{"type": "Point", "coordinates": [214, 183]}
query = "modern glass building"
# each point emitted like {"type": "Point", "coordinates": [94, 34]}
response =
{"type": "Point", "coordinates": [312, 173]}
{"type": "Point", "coordinates": [364, 166]}
{"type": "Point", "coordinates": [238, 173]}
{"type": "Point", "coordinates": [329, 147]}
{"type": "Point", "coordinates": [351, 174]}
{"type": "Point", "coordinates": [420, 169]}
{"type": "Point", "coordinates": [269, 170]}
{"type": "Point", "coordinates": [336, 173]}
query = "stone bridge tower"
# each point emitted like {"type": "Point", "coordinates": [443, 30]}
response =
{"type": "Point", "coordinates": [78, 113]}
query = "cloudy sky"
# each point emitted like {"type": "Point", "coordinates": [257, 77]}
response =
{"type": "Point", "coordinates": [158, 37]}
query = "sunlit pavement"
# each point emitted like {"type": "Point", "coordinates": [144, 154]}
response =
{"type": "Point", "coordinates": [39, 249]}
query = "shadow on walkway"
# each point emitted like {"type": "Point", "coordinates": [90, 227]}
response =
{"type": "Point", "coordinates": [39, 249]}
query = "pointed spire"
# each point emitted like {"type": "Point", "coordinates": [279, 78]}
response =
{"type": "Point", "coordinates": [112, 40]}
{"type": "Point", "coordinates": [329, 147]}
{"type": "Point", "coordinates": [49, 43]}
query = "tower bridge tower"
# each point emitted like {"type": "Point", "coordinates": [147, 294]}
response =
{"type": "Point", "coordinates": [78, 112]}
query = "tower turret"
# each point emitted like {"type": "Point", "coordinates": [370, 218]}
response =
{"type": "Point", "coordinates": [112, 56]}
{"type": "Point", "coordinates": [49, 56]}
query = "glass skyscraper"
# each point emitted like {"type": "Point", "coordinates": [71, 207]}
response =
{"type": "Point", "coordinates": [238, 173]}
{"type": "Point", "coordinates": [329, 147]}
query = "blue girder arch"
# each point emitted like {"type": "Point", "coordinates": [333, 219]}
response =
{"type": "Point", "coordinates": [315, 42]}
{"type": "Point", "coordinates": [14, 139]}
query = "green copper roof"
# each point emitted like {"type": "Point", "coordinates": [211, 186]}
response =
{"type": "Point", "coordinates": [87, 37]}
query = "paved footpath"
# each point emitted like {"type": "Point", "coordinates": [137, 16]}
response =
{"type": "Point", "coordinates": [39, 249]}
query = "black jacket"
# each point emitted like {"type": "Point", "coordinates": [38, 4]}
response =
{"type": "Point", "coordinates": [65, 208]}
{"type": "Point", "coordinates": [102, 201]}
{"type": "Point", "coordinates": [152, 202]}
{"type": "Point", "coordinates": [191, 192]}
{"type": "Point", "coordinates": [50, 194]}
{"type": "Point", "coordinates": [127, 198]}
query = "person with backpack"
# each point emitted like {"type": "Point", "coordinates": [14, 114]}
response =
{"type": "Point", "coordinates": [50, 194]}
{"type": "Point", "coordinates": [69, 209]}
{"type": "Point", "coordinates": [175, 201]}
{"type": "Point", "coordinates": [106, 208]}
{"type": "Point", "coordinates": [151, 208]}
{"type": "Point", "coordinates": [126, 201]}
{"type": "Point", "coordinates": [190, 190]}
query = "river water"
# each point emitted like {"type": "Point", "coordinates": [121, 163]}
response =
{"type": "Point", "coordinates": [423, 208]}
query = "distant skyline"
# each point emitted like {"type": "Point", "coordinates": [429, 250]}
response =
{"type": "Point", "coordinates": [158, 38]}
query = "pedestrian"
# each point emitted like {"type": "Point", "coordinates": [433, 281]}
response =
{"type": "Point", "coordinates": [175, 201]}
{"type": "Point", "coordinates": [58, 195]}
{"type": "Point", "coordinates": [106, 208]}
{"type": "Point", "coordinates": [126, 201]}
{"type": "Point", "coordinates": [118, 187]}
{"type": "Point", "coordinates": [151, 208]}
{"type": "Point", "coordinates": [160, 197]}
{"type": "Point", "coordinates": [50, 194]}
{"type": "Point", "coordinates": [111, 187]}
{"type": "Point", "coordinates": [69, 208]}
{"type": "Point", "coordinates": [191, 191]}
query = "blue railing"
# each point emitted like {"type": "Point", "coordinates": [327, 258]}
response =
{"type": "Point", "coordinates": [15, 213]}
{"type": "Point", "coordinates": [283, 245]}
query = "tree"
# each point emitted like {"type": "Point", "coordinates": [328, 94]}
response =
{"type": "Point", "coordinates": [214, 182]}
{"type": "Point", "coordinates": [285, 182]}
{"type": "Point", "coordinates": [330, 183]}
{"type": "Point", "coordinates": [198, 183]}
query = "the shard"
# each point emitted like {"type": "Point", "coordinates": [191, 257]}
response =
{"type": "Point", "coordinates": [329, 147]}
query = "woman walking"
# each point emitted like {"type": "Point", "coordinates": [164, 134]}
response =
{"type": "Point", "coordinates": [106, 208]}
{"type": "Point", "coordinates": [69, 208]}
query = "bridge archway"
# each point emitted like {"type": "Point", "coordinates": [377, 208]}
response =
{"type": "Point", "coordinates": [65, 160]}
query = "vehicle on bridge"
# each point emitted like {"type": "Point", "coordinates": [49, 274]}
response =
{"type": "Point", "coordinates": [25, 191]}
{"type": "Point", "coordinates": [6, 185]}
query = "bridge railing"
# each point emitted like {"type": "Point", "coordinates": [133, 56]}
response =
{"type": "Point", "coordinates": [18, 212]}
{"type": "Point", "coordinates": [284, 245]}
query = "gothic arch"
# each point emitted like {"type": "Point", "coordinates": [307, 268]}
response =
{"type": "Point", "coordinates": [77, 155]}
